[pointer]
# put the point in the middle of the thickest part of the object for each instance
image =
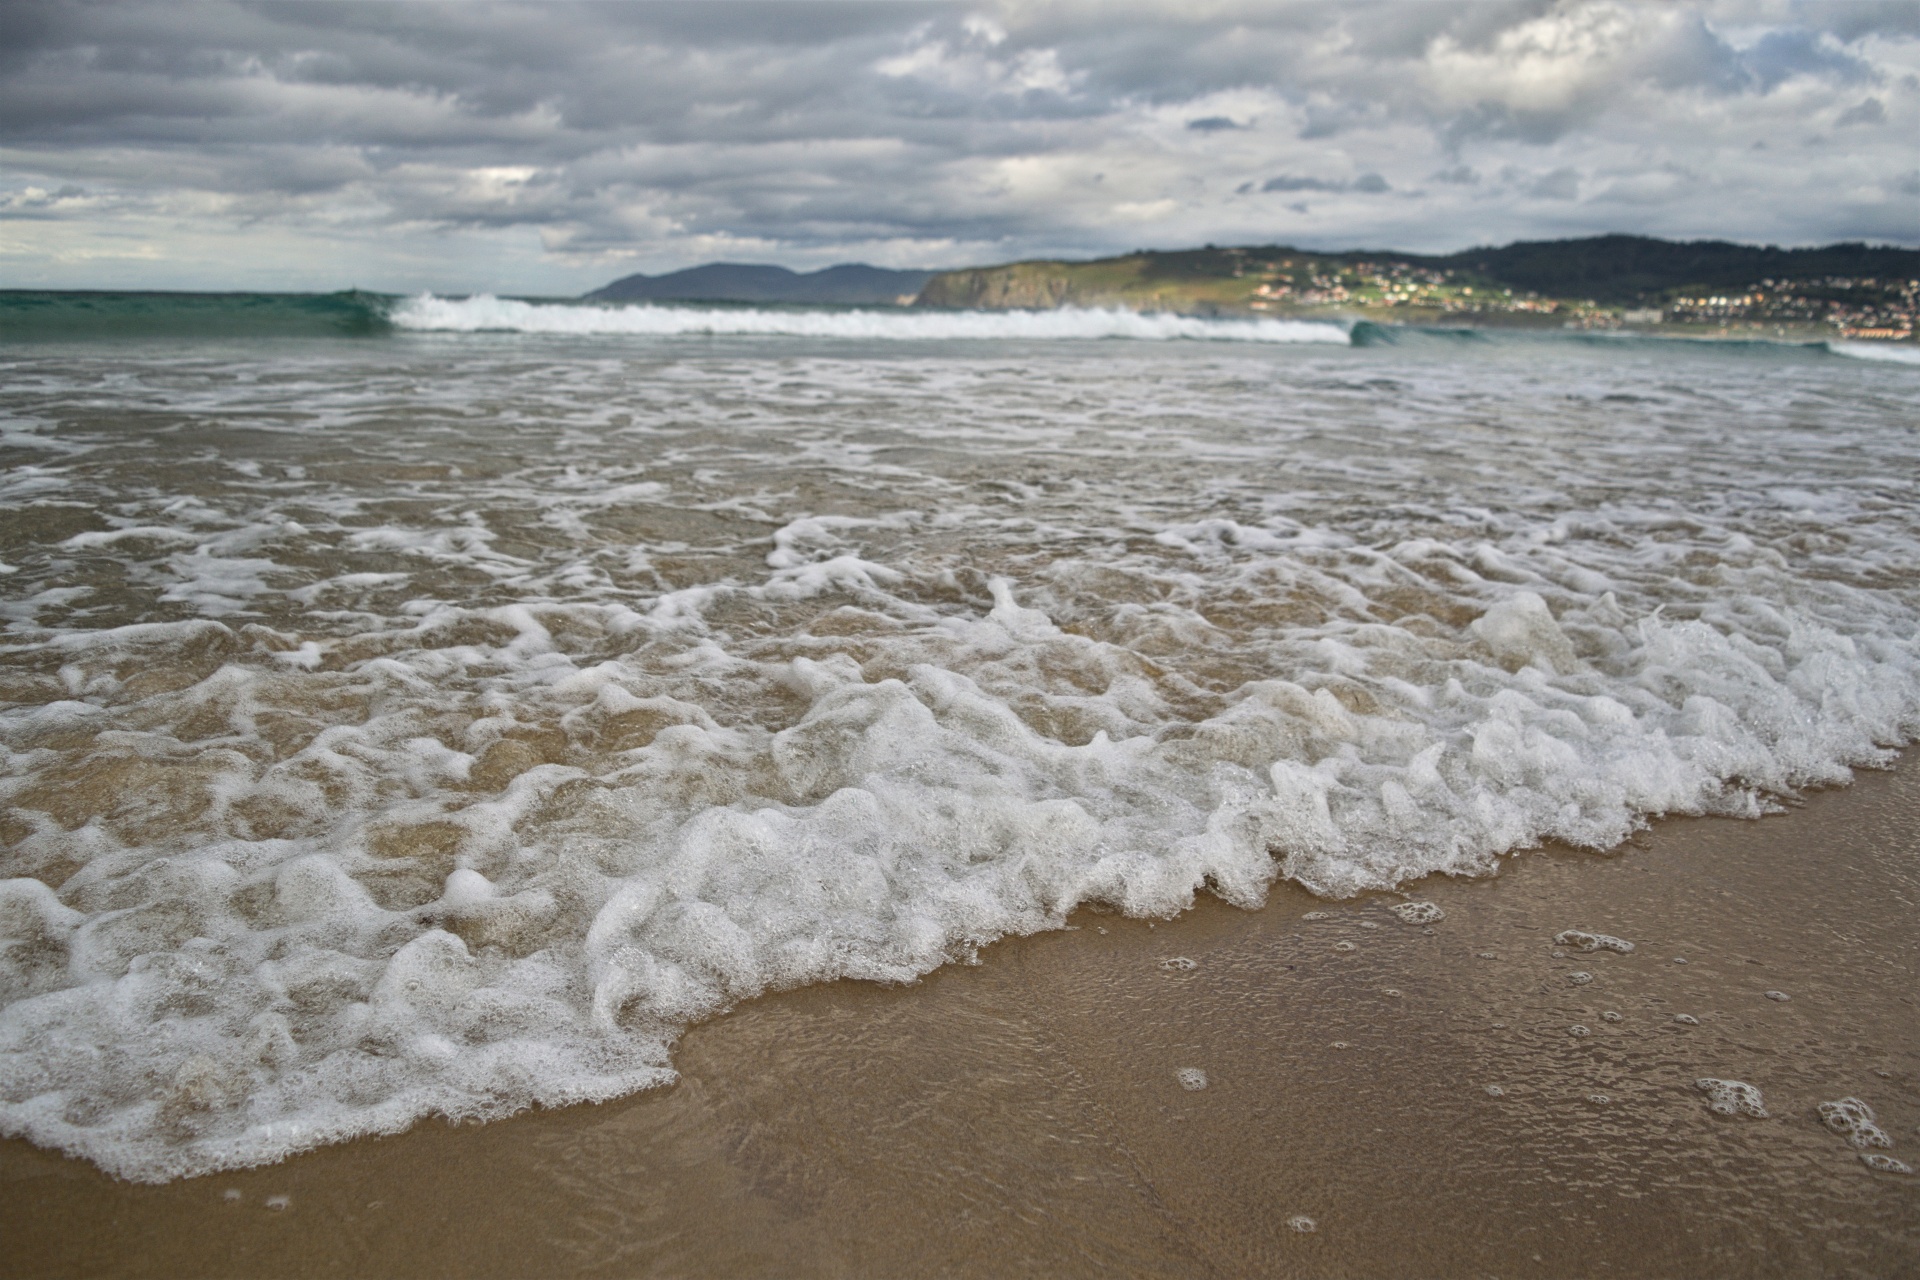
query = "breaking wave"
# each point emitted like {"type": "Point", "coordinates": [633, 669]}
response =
{"type": "Point", "coordinates": [1903, 353]}
{"type": "Point", "coordinates": [487, 314]}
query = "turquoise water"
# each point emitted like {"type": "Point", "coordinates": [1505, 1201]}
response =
{"type": "Point", "coordinates": [34, 316]}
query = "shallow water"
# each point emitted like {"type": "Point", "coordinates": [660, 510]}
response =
{"type": "Point", "coordinates": [440, 723]}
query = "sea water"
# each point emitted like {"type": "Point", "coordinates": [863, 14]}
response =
{"type": "Point", "coordinates": [434, 706]}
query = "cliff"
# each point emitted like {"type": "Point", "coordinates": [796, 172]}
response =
{"type": "Point", "coordinates": [1138, 282]}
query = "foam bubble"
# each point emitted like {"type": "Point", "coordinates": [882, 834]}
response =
{"type": "Point", "coordinates": [1884, 1163]}
{"type": "Point", "coordinates": [1583, 941]}
{"type": "Point", "coordinates": [1579, 978]}
{"type": "Point", "coordinates": [1191, 1078]}
{"type": "Point", "coordinates": [1854, 1120]}
{"type": "Point", "coordinates": [1778, 995]}
{"type": "Point", "coordinates": [1344, 945]}
{"type": "Point", "coordinates": [1599, 1099]}
{"type": "Point", "coordinates": [1418, 912]}
{"type": "Point", "coordinates": [1610, 1016]}
{"type": "Point", "coordinates": [1577, 1031]}
{"type": "Point", "coordinates": [1316, 915]}
{"type": "Point", "coordinates": [1303, 1224]}
{"type": "Point", "coordinates": [1731, 1097]}
{"type": "Point", "coordinates": [1686, 1019]}
{"type": "Point", "coordinates": [279, 1203]}
{"type": "Point", "coordinates": [1179, 964]}
{"type": "Point", "coordinates": [1495, 1091]}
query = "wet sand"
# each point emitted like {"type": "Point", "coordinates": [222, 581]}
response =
{"type": "Point", "coordinates": [1025, 1115]}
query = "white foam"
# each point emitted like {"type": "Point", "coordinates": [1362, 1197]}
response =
{"type": "Point", "coordinates": [1854, 1120]}
{"type": "Point", "coordinates": [1191, 1078]}
{"type": "Point", "coordinates": [487, 314]}
{"type": "Point", "coordinates": [1732, 1097]}
{"type": "Point", "coordinates": [1904, 353]}
{"type": "Point", "coordinates": [569, 698]}
{"type": "Point", "coordinates": [1583, 941]}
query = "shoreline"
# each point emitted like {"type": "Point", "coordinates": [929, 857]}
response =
{"type": "Point", "coordinates": [1027, 1113]}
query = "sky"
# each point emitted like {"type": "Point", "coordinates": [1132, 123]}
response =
{"type": "Point", "coordinates": [548, 148]}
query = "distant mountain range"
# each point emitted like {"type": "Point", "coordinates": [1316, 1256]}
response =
{"type": "Point", "coordinates": [852, 284]}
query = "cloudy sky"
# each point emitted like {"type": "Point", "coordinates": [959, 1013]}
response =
{"type": "Point", "coordinates": [545, 148]}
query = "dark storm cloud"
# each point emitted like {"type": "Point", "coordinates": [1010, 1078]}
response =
{"type": "Point", "coordinates": [573, 137]}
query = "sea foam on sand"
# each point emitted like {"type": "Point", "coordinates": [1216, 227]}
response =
{"type": "Point", "coordinates": [457, 730]}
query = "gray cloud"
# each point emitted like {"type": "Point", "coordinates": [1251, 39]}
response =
{"type": "Point", "coordinates": [1292, 182]}
{"type": "Point", "coordinates": [1561, 184]}
{"type": "Point", "coordinates": [1866, 111]}
{"type": "Point", "coordinates": [1366, 184]}
{"type": "Point", "coordinates": [543, 147]}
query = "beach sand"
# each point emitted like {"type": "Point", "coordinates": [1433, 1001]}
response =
{"type": "Point", "coordinates": [1025, 1115]}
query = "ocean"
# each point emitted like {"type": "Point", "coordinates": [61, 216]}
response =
{"type": "Point", "coordinates": [434, 706]}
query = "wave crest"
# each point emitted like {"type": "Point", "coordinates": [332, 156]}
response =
{"type": "Point", "coordinates": [484, 313]}
{"type": "Point", "coordinates": [1883, 351]}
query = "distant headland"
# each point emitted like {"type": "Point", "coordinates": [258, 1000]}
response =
{"type": "Point", "coordinates": [1704, 287]}
{"type": "Point", "coordinates": [850, 284]}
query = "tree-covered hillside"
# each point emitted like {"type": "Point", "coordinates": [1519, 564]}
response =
{"type": "Point", "coordinates": [1852, 290]}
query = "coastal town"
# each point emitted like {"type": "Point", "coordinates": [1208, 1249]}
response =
{"type": "Point", "coordinates": [1466, 289]}
{"type": "Point", "coordinates": [1859, 308]}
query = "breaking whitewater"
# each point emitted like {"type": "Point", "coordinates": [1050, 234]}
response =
{"type": "Point", "coordinates": [440, 724]}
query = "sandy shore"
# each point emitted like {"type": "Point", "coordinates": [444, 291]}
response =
{"type": "Point", "coordinates": [1026, 1115]}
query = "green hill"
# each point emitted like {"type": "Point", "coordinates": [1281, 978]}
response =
{"type": "Point", "coordinates": [1598, 282]}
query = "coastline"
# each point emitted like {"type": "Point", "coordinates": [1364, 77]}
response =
{"type": "Point", "coordinates": [1025, 1114]}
